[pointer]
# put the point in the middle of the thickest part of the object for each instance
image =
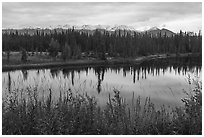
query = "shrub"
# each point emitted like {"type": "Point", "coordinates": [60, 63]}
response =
{"type": "Point", "coordinates": [24, 55]}
{"type": "Point", "coordinates": [53, 48]}
{"type": "Point", "coordinates": [66, 53]}
{"type": "Point", "coordinates": [80, 114]}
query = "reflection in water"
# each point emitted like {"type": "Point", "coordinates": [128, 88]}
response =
{"type": "Point", "coordinates": [9, 82]}
{"type": "Point", "coordinates": [72, 72]}
{"type": "Point", "coordinates": [54, 72]}
{"type": "Point", "coordinates": [100, 71]}
{"type": "Point", "coordinates": [25, 74]}
{"type": "Point", "coordinates": [162, 80]}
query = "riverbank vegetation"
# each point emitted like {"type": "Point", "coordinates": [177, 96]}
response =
{"type": "Point", "coordinates": [79, 114]}
{"type": "Point", "coordinates": [44, 61]}
{"type": "Point", "coordinates": [73, 44]}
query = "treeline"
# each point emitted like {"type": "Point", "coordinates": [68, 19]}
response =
{"type": "Point", "coordinates": [72, 43]}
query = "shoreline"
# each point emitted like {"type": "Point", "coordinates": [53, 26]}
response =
{"type": "Point", "coordinates": [82, 63]}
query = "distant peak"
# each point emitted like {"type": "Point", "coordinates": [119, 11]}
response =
{"type": "Point", "coordinates": [154, 28]}
{"type": "Point", "coordinates": [88, 27]}
{"type": "Point", "coordinates": [123, 27]}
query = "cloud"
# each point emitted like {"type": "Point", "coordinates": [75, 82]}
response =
{"type": "Point", "coordinates": [139, 15]}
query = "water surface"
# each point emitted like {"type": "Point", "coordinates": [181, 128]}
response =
{"type": "Point", "coordinates": [163, 80]}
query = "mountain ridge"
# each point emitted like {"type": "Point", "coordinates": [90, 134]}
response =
{"type": "Point", "coordinates": [85, 26]}
{"type": "Point", "coordinates": [154, 31]}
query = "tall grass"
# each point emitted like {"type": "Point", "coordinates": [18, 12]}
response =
{"type": "Point", "coordinates": [80, 114]}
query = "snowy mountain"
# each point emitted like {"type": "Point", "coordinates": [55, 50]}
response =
{"type": "Point", "coordinates": [90, 29]}
{"type": "Point", "coordinates": [154, 31]}
{"type": "Point", "coordinates": [105, 27]}
{"type": "Point", "coordinates": [123, 27]}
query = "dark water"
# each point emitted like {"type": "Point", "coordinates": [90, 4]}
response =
{"type": "Point", "coordinates": [163, 80]}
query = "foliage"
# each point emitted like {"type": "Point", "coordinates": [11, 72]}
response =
{"type": "Point", "coordinates": [193, 109]}
{"type": "Point", "coordinates": [53, 48]}
{"type": "Point", "coordinates": [79, 114]}
{"type": "Point", "coordinates": [126, 44]}
{"type": "Point", "coordinates": [8, 55]}
{"type": "Point", "coordinates": [76, 52]}
{"type": "Point", "coordinates": [24, 55]}
{"type": "Point", "coordinates": [66, 53]}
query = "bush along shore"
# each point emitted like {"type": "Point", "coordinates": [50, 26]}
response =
{"type": "Point", "coordinates": [80, 114]}
{"type": "Point", "coordinates": [37, 62]}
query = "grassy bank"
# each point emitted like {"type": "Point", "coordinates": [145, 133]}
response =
{"type": "Point", "coordinates": [44, 61]}
{"type": "Point", "coordinates": [80, 114]}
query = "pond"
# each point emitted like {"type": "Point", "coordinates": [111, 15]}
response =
{"type": "Point", "coordinates": [163, 80]}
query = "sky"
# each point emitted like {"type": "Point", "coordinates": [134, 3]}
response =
{"type": "Point", "coordinates": [172, 15]}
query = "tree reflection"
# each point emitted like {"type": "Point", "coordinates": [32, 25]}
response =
{"type": "Point", "coordinates": [87, 71]}
{"type": "Point", "coordinates": [134, 75]}
{"type": "Point", "coordinates": [72, 75]}
{"type": "Point", "coordinates": [100, 71]}
{"type": "Point", "coordinates": [9, 82]}
{"type": "Point", "coordinates": [38, 72]}
{"type": "Point", "coordinates": [54, 72]}
{"type": "Point", "coordinates": [25, 74]}
{"type": "Point", "coordinates": [157, 67]}
{"type": "Point", "coordinates": [67, 72]}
